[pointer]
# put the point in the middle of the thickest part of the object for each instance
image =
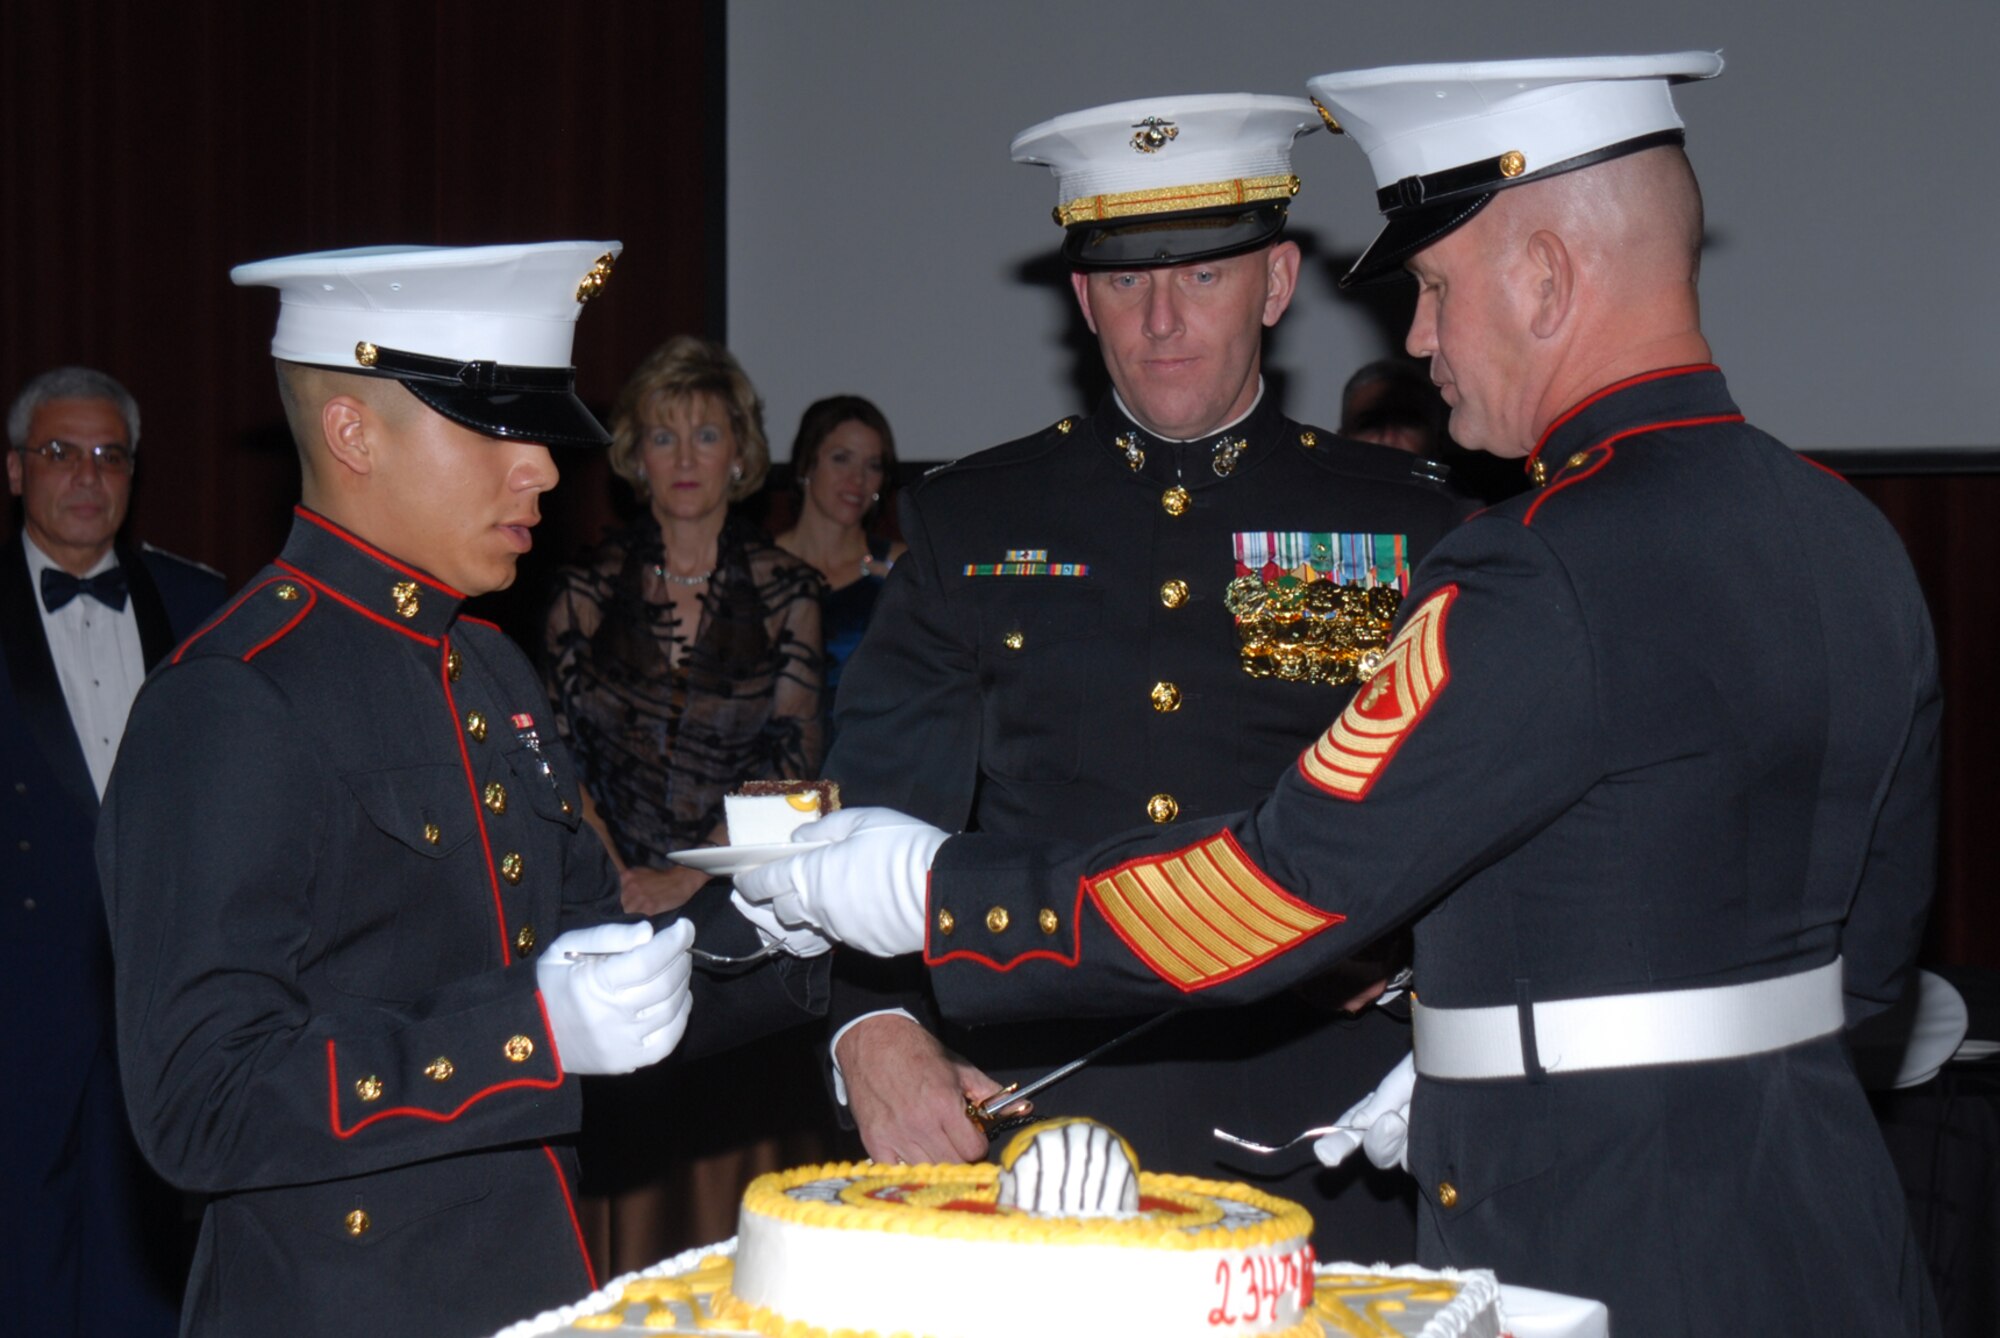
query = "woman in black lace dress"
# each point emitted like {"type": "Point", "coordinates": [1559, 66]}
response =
{"type": "Point", "coordinates": [684, 652]}
{"type": "Point", "coordinates": [684, 659]}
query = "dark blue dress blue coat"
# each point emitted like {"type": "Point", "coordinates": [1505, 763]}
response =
{"type": "Point", "coordinates": [340, 833]}
{"type": "Point", "coordinates": [88, 1233]}
{"type": "Point", "coordinates": [1056, 650]}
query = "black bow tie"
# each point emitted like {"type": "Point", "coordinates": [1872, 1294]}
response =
{"type": "Point", "coordinates": [59, 588]}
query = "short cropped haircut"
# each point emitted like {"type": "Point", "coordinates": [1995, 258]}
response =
{"type": "Point", "coordinates": [71, 383]}
{"type": "Point", "coordinates": [681, 369]}
{"type": "Point", "coordinates": [819, 420]}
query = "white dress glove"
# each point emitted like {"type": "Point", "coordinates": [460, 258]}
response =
{"type": "Point", "coordinates": [1379, 1123]}
{"type": "Point", "coordinates": [867, 889]}
{"type": "Point", "coordinates": [617, 995]}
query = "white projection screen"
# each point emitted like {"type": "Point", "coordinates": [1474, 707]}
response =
{"type": "Point", "coordinates": [879, 240]}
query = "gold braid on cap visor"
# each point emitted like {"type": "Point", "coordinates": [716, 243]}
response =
{"type": "Point", "coordinates": [1175, 199]}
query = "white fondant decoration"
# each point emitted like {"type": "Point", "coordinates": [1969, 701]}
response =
{"type": "Point", "coordinates": [1473, 1310]}
{"type": "Point", "coordinates": [1071, 1168]}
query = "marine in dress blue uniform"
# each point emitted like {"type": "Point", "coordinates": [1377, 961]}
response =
{"type": "Point", "coordinates": [338, 846]}
{"type": "Point", "coordinates": [1655, 742]}
{"type": "Point", "coordinates": [1059, 654]}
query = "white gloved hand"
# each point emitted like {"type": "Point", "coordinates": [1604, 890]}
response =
{"type": "Point", "coordinates": [621, 1001]}
{"type": "Point", "coordinates": [799, 940]}
{"type": "Point", "coordinates": [867, 889]}
{"type": "Point", "coordinates": [1379, 1123]}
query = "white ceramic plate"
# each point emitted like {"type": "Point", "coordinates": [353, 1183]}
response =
{"type": "Point", "coordinates": [728, 861]}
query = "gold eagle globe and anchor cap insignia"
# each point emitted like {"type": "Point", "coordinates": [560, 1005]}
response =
{"type": "Point", "coordinates": [1155, 132]}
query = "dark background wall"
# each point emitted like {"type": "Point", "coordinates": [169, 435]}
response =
{"type": "Point", "coordinates": [146, 148]}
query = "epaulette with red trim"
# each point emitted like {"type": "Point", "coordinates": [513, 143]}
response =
{"type": "Point", "coordinates": [255, 618]}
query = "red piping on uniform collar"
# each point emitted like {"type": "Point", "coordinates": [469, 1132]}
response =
{"type": "Point", "coordinates": [356, 541]}
{"type": "Point", "coordinates": [1661, 374]}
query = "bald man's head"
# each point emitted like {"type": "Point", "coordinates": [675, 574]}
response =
{"type": "Point", "coordinates": [1557, 288]}
{"type": "Point", "coordinates": [1635, 220]}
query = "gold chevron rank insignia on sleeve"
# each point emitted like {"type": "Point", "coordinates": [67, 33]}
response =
{"type": "Point", "coordinates": [1346, 761]}
{"type": "Point", "coordinates": [1203, 914]}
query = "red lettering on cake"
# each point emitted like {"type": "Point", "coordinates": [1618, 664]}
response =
{"type": "Point", "coordinates": [1219, 1314]}
{"type": "Point", "coordinates": [1149, 1204]}
{"type": "Point", "coordinates": [971, 1206]}
{"type": "Point", "coordinates": [1308, 1265]}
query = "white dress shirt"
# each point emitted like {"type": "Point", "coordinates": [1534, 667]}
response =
{"type": "Point", "coordinates": [98, 660]}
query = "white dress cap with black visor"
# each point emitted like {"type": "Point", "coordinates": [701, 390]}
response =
{"type": "Point", "coordinates": [481, 334]}
{"type": "Point", "coordinates": [1443, 139]}
{"type": "Point", "coordinates": [1164, 181]}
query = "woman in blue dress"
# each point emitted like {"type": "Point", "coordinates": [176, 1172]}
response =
{"type": "Point", "coordinates": [842, 459]}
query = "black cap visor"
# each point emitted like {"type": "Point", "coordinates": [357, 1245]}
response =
{"type": "Point", "coordinates": [551, 417]}
{"type": "Point", "coordinates": [1409, 232]}
{"type": "Point", "coordinates": [1174, 239]}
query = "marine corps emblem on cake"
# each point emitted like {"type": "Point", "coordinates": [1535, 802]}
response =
{"type": "Point", "coordinates": [1316, 608]}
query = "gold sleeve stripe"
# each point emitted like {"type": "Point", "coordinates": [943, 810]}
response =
{"type": "Point", "coordinates": [1347, 760]}
{"type": "Point", "coordinates": [1225, 936]}
{"type": "Point", "coordinates": [1114, 899]}
{"type": "Point", "coordinates": [1172, 199]}
{"type": "Point", "coordinates": [1196, 941]}
{"type": "Point", "coordinates": [1202, 914]}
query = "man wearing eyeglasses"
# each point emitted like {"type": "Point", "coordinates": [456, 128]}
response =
{"type": "Point", "coordinates": [82, 618]}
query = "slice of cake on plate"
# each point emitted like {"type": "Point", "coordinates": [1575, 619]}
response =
{"type": "Point", "coordinates": [765, 813]}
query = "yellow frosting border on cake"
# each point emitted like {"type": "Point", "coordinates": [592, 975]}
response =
{"type": "Point", "coordinates": [767, 1196]}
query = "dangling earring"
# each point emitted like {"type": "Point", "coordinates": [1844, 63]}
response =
{"type": "Point", "coordinates": [736, 473]}
{"type": "Point", "coordinates": [876, 498]}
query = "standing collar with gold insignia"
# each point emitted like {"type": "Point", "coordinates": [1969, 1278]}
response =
{"type": "Point", "coordinates": [351, 571]}
{"type": "Point", "coordinates": [1670, 396]}
{"type": "Point", "coordinates": [1202, 462]}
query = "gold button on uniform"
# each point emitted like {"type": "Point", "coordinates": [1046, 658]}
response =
{"type": "Point", "coordinates": [1065, 426]}
{"type": "Point", "coordinates": [1166, 698]}
{"type": "Point", "coordinates": [517, 1049]}
{"type": "Point", "coordinates": [1049, 921]}
{"type": "Point", "coordinates": [495, 796]}
{"type": "Point", "coordinates": [524, 941]}
{"type": "Point", "coordinates": [432, 833]}
{"type": "Point", "coordinates": [510, 866]}
{"type": "Point", "coordinates": [365, 353]}
{"type": "Point", "coordinates": [1013, 641]}
{"type": "Point", "coordinates": [1174, 501]}
{"type": "Point", "coordinates": [404, 595]}
{"type": "Point", "coordinates": [1163, 808]}
{"type": "Point", "coordinates": [287, 592]}
{"type": "Point", "coordinates": [440, 1069]}
{"type": "Point", "coordinates": [946, 922]}
{"type": "Point", "coordinates": [1513, 163]}
{"type": "Point", "coordinates": [1447, 1194]}
{"type": "Point", "coordinates": [369, 1088]}
{"type": "Point", "coordinates": [358, 1222]}
{"type": "Point", "coordinates": [1538, 473]}
{"type": "Point", "coordinates": [1309, 439]}
{"type": "Point", "coordinates": [996, 920]}
{"type": "Point", "coordinates": [475, 725]}
{"type": "Point", "coordinates": [452, 666]}
{"type": "Point", "coordinates": [1578, 459]}
{"type": "Point", "coordinates": [1174, 593]}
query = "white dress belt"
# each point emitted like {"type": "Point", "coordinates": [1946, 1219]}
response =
{"type": "Point", "coordinates": [1616, 1031]}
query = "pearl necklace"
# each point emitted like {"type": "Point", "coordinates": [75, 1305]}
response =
{"type": "Point", "coordinates": [675, 578]}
